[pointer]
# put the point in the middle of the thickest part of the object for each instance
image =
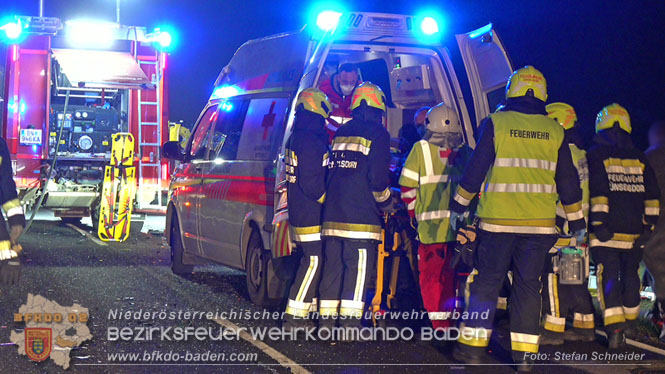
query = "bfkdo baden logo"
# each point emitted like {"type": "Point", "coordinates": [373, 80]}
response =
{"type": "Point", "coordinates": [38, 343]}
{"type": "Point", "coordinates": [51, 330]}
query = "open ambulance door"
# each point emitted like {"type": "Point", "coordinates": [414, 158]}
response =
{"type": "Point", "coordinates": [487, 67]}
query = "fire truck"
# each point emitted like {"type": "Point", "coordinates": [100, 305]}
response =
{"type": "Point", "coordinates": [68, 87]}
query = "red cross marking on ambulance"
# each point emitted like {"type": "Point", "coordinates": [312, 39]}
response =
{"type": "Point", "coordinates": [268, 120]}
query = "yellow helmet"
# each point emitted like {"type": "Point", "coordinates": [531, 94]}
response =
{"type": "Point", "coordinates": [315, 101]}
{"type": "Point", "coordinates": [527, 81]}
{"type": "Point", "coordinates": [611, 114]}
{"type": "Point", "coordinates": [371, 94]}
{"type": "Point", "coordinates": [563, 113]}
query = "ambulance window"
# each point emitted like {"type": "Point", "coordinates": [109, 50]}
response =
{"type": "Point", "coordinates": [495, 97]}
{"type": "Point", "coordinates": [200, 137]}
{"type": "Point", "coordinates": [225, 135]}
{"type": "Point", "coordinates": [262, 129]}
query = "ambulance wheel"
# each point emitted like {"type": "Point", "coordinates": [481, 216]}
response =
{"type": "Point", "coordinates": [256, 268]}
{"type": "Point", "coordinates": [177, 250]}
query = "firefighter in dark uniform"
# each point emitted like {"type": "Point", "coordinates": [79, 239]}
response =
{"type": "Point", "coordinates": [10, 265]}
{"type": "Point", "coordinates": [561, 300]}
{"type": "Point", "coordinates": [306, 157]}
{"type": "Point", "coordinates": [523, 160]}
{"type": "Point", "coordinates": [358, 188]}
{"type": "Point", "coordinates": [624, 209]}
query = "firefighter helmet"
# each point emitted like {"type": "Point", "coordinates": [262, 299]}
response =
{"type": "Point", "coordinates": [443, 119]}
{"type": "Point", "coordinates": [371, 94]}
{"type": "Point", "coordinates": [611, 115]}
{"type": "Point", "coordinates": [527, 81]}
{"type": "Point", "coordinates": [315, 101]}
{"type": "Point", "coordinates": [563, 113]}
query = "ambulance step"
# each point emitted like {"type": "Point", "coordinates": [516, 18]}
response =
{"type": "Point", "coordinates": [146, 164]}
{"type": "Point", "coordinates": [149, 103]}
{"type": "Point", "coordinates": [150, 145]}
{"type": "Point", "coordinates": [148, 124]}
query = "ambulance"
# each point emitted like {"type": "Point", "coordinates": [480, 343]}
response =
{"type": "Point", "coordinates": [69, 86]}
{"type": "Point", "coordinates": [227, 194]}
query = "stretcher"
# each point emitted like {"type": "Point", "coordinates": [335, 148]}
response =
{"type": "Point", "coordinates": [395, 242]}
{"type": "Point", "coordinates": [118, 190]}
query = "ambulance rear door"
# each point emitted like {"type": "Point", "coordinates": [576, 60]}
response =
{"type": "Point", "coordinates": [487, 66]}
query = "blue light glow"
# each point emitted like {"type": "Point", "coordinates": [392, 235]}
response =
{"type": "Point", "coordinates": [227, 107]}
{"type": "Point", "coordinates": [429, 26]}
{"type": "Point", "coordinates": [166, 37]}
{"type": "Point", "coordinates": [22, 107]}
{"type": "Point", "coordinates": [34, 148]}
{"type": "Point", "coordinates": [328, 20]}
{"type": "Point", "coordinates": [481, 31]}
{"type": "Point", "coordinates": [12, 30]}
{"type": "Point", "coordinates": [224, 92]}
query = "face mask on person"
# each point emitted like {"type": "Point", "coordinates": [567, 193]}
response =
{"type": "Point", "coordinates": [347, 89]}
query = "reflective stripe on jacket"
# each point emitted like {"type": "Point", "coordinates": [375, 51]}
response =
{"type": "Point", "coordinates": [434, 174]}
{"type": "Point", "coordinates": [520, 192]}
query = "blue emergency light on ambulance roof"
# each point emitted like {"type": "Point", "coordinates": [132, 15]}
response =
{"type": "Point", "coordinates": [429, 26]}
{"type": "Point", "coordinates": [328, 20]}
{"type": "Point", "coordinates": [224, 92]}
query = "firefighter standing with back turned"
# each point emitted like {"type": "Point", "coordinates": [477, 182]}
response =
{"type": "Point", "coordinates": [523, 160]}
{"type": "Point", "coordinates": [561, 300]}
{"type": "Point", "coordinates": [624, 210]}
{"type": "Point", "coordinates": [429, 179]}
{"type": "Point", "coordinates": [358, 188]}
{"type": "Point", "coordinates": [306, 159]}
{"type": "Point", "coordinates": [10, 265]}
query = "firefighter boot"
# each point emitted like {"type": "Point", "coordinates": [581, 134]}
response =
{"type": "Point", "coordinates": [616, 339]}
{"type": "Point", "coordinates": [548, 337]}
{"type": "Point", "coordinates": [296, 325]}
{"type": "Point", "coordinates": [579, 335]}
{"type": "Point", "coordinates": [471, 355]}
{"type": "Point", "coordinates": [524, 366]}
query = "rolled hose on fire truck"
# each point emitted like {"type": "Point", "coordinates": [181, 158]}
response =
{"type": "Point", "coordinates": [35, 209]}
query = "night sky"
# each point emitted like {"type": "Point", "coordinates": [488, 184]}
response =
{"type": "Point", "coordinates": [591, 52]}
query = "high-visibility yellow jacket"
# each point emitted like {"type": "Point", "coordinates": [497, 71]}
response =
{"type": "Point", "coordinates": [525, 165]}
{"type": "Point", "coordinates": [430, 177]}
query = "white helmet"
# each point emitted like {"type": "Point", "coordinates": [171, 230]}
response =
{"type": "Point", "coordinates": [443, 119]}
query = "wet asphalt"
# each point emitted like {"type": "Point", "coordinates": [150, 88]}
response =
{"type": "Point", "coordinates": [65, 266]}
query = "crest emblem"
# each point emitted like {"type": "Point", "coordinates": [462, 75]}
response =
{"type": "Point", "coordinates": [38, 343]}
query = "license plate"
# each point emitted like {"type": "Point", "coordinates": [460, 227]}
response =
{"type": "Point", "coordinates": [30, 136]}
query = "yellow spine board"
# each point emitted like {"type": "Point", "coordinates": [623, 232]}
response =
{"type": "Point", "coordinates": [118, 190]}
{"type": "Point", "coordinates": [395, 271]}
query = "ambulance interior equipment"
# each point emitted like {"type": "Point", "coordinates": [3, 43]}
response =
{"type": "Point", "coordinates": [407, 78]}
